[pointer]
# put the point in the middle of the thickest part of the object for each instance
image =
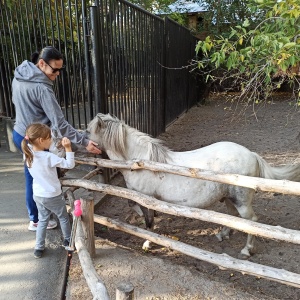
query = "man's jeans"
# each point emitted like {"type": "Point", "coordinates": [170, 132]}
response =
{"type": "Point", "coordinates": [30, 204]}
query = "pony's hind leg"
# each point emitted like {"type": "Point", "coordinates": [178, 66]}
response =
{"type": "Point", "coordinates": [225, 231]}
{"type": "Point", "coordinates": [248, 213]}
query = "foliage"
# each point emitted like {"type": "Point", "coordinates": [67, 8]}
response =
{"type": "Point", "coordinates": [154, 6]}
{"type": "Point", "coordinates": [257, 59]}
{"type": "Point", "coordinates": [220, 16]}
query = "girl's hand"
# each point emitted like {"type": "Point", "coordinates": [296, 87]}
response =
{"type": "Point", "coordinates": [66, 144]}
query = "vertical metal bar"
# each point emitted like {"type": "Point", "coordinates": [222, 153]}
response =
{"type": "Point", "coordinates": [68, 101]}
{"type": "Point", "coordinates": [95, 58]}
{"type": "Point", "coordinates": [164, 63]}
{"type": "Point", "coordinates": [27, 26]}
{"type": "Point", "coordinates": [113, 54]}
{"type": "Point", "coordinates": [110, 56]}
{"type": "Point", "coordinates": [46, 41]}
{"type": "Point", "coordinates": [5, 77]}
{"type": "Point", "coordinates": [118, 41]}
{"type": "Point", "coordinates": [87, 58]}
{"type": "Point", "coordinates": [60, 86]}
{"type": "Point", "coordinates": [7, 60]}
{"type": "Point", "coordinates": [133, 55]}
{"type": "Point", "coordinates": [124, 60]}
{"type": "Point", "coordinates": [80, 66]}
{"type": "Point", "coordinates": [57, 25]}
{"type": "Point", "coordinates": [74, 75]}
{"type": "Point", "coordinates": [33, 25]}
{"type": "Point", "coordinates": [39, 24]}
{"type": "Point", "coordinates": [104, 55]}
{"type": "Point", "coordinates": [126, 11]}
{"type": "Point", "coordinates": [139, 20]}
{"type": "Point", "coordinates": [10, 24]}
{"type": "Point", "coordinates": [18, 32]}
{"type": "Point", "coordinates": [24, 53]}
{"type": "Point", "coordinates": [51, 22]}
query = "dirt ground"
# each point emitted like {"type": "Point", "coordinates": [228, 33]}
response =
{"type": "Point", "coordinates": [271, 130]}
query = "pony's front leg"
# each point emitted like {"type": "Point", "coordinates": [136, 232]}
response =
{"type": "Point", "coordinates": [149, 220]}
{"type": "Point", "coordinates": [224, 233]}
{"type": "Point", "coordinates": [147, 245]}
{"type": "Point", "coordinates": [249, 249]}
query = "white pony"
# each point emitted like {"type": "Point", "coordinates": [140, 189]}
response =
{"type": "Point", "coordinates": [122, 142]}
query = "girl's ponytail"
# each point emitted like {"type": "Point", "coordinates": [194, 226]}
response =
{"type": "Point", "coordinates": [33, 132]}
{"type": "Point", "coordinates": [27, 152]}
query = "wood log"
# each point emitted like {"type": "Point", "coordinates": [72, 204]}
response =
{"type": "Point", "coordinates": [71, 198]}
{"type": "Point", "coordinates": [224, 261]}
{"type": "Point", "coordinates": [95, 283]}
{"type": "Point", "coordinates": [88, 225]}
{"type": "Point", "coordinates": [269, 185]}
{"type": "Point", "coordinates": [87, 176]}
{"type": "Point", "coordinates": [251, 227]}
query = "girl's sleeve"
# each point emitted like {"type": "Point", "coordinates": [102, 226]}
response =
{"type": "Point", "coordinates": [65, 163]}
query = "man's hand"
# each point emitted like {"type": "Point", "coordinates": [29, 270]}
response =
{"type": "Point", "coordinates": [92, 147]}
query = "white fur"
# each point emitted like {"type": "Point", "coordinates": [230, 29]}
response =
{"type": "Point", "coordinates": [122, 142]}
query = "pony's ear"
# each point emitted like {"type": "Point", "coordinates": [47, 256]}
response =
{"type": "Point", "coordinates": [100, 123]}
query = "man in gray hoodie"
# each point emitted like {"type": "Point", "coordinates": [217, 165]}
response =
{"type": "Point", "coordinates": [35, 102]}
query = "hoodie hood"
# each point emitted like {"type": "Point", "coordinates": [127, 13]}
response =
{"type": "Point", "coordinates": [27, 71]}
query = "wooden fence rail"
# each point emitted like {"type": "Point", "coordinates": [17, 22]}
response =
{"type": "Point", "coordinates": [267, 185]}
{"type": "Point", "coordinates": [251, 227]}
{"type": "Point", "coordinates": [224, 261]}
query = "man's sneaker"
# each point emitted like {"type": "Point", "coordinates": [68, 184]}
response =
{"type": "Point", "coordinates": [33, 226]}
{"type": "Point", "coordinates": [38, 253]}
{"type": "Point", "coordinates": [52, 224]}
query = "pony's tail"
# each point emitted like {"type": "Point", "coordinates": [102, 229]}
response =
{"type": "Point", "coordinates": [289, 172]}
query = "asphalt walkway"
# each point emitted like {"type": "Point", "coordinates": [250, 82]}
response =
{"type": "Point", "coordinates": [21, 275]}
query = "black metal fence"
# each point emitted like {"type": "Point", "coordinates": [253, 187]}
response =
{"type": "Point", "coordinates": [119, 59]}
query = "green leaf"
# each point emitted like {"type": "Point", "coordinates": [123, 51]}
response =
{"type": "Point", "coordinates": [246, 23]}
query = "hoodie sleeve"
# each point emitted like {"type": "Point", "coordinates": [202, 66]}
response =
{"type": "Point", "coordinates": [57, 119]}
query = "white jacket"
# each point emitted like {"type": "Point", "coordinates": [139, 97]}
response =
{"type": "Point", "coordinates": [43, 170]}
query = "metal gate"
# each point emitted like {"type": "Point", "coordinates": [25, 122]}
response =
{"type": "Point", "coordinates": [119, 59]}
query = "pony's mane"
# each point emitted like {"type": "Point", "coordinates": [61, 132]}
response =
{"type": "Point", "coordinates": [115, 137]}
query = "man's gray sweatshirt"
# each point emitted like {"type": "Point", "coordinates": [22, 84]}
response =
{"type": "Point", "coordinates": [35, 102]}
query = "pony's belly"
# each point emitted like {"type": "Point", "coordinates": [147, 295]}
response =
{"type": "Point", "coordinates": [191, 192]}
{"type": "Point", "coordinates": [176, 189]}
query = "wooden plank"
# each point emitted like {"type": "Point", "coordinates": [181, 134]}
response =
{"type": "Point", "coordinates": [224, 261]}
{"type": "Point", "coordinates": [251, 227]}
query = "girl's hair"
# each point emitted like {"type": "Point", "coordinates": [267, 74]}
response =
{"type": "Point", "coordinates": [48, 53]}
{"type": "Point", "coordinates": [33, 132]}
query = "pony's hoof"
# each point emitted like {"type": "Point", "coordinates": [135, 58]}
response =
{"type": "Point", "coordinates": [146, 246]}
{"type": "Point", "coordinates": [219, 236]}
{"type": "Point", "coordinates": [244, 254]}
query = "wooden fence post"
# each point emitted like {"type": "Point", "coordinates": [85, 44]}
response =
{"type": "Point", "coordinates": [88, 225]}
{"type": "Point", "coordinates": [125, 291]}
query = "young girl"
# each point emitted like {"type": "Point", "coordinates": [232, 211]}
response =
{"type": "Point", "coordinates": [46, 186]}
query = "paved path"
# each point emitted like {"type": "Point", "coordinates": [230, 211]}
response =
{"type": "Point", "coordinates": [21, 275]}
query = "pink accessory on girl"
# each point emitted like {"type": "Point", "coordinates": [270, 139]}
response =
{"type": "Point", "coordinates": [26, 137]}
